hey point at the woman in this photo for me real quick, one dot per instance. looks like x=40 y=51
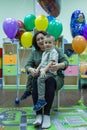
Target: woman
x=51 y=85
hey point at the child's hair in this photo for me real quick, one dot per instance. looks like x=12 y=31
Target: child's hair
x=50 y=36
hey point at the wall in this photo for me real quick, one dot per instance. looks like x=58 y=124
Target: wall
x=18 y=9
x=67 y=8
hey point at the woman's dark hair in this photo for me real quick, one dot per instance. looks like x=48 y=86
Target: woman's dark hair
x=34 y=42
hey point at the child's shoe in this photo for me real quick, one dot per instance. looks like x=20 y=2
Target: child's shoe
x=40 y=103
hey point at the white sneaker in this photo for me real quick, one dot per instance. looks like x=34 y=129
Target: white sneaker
x=46 y=122
x=38 y=120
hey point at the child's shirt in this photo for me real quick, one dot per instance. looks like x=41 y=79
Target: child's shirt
x=47 y=56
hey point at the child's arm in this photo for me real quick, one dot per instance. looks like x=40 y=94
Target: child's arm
x=48 y=66
x=43 y=72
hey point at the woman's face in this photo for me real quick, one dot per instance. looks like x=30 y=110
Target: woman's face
x=40 y=41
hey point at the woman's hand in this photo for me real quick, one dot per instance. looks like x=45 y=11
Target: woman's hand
x=56 y=66
x=33 y=71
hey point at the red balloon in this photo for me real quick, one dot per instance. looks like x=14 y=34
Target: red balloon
x=19 y=34
x=52 y=7
x=21 y=29
x=20 y=23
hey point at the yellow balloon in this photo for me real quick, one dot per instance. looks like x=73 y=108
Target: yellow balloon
x=26 y=39
x=41 y=22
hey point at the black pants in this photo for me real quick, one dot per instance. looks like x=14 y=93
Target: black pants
x=50 y=88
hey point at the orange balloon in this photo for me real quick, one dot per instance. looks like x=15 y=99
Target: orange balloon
x=79 y=44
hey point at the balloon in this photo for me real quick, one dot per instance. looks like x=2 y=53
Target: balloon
x=83 y=68
x=77 y=23
x=10 y=27
x=20 y=24
x=77 y=29
x=83 y=55
x=29 y=22
x=55 y=28
x=19 y=34
x=50 y=18
x=78 y=17
x=79 y=44
x=41 y=22
x=85 y=31
x=26 y=39
x=21 y=30
x=52 y=7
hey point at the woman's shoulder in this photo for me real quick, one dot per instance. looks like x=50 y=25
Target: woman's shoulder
x=58 y=49
x=37 y=52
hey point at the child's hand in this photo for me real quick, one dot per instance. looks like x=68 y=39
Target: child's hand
x=42 y=74
x=54 y=67
x=37 y=71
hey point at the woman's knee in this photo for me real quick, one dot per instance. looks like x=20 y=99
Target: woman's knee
x=51 y=82
x=50 y=86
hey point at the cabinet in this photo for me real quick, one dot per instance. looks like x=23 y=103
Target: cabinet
x=22 y=59
x=14 y=60
x=1 y=68
x=10 y=63
x=83 y=68
x=72 y=72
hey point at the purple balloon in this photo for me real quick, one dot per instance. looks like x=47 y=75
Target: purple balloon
x=10 y=27
x=85 y=31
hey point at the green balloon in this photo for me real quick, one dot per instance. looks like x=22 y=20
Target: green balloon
x=29 y=22
x=55 y=28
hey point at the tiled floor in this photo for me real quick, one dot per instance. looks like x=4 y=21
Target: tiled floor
x=66 y=98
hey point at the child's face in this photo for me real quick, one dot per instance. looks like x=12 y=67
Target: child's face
x=48 y=43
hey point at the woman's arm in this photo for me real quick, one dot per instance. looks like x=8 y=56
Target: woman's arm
x=30 y=63
x=62 y=61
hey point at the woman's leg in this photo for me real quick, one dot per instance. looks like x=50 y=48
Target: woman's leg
x=49 y=94
x=38 y=119
x=35 y=94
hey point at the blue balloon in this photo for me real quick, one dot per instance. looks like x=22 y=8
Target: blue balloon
x=50 y=18
x=77 y=23
x=78 y=17
x=77 y=29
